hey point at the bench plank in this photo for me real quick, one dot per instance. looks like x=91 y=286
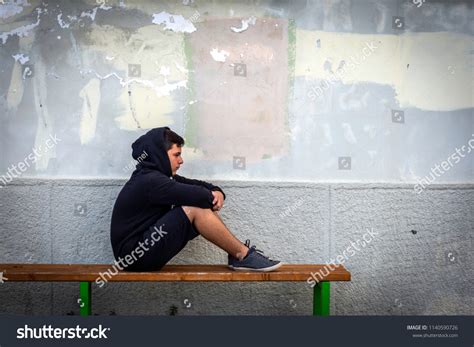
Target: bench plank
x=193 y=273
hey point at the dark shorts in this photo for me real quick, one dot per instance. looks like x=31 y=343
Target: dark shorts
x=160 y=243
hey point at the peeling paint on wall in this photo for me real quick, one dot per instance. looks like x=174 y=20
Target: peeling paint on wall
x=62 y=22
x=21 y=58
x=176 y=23
x=245 y=25
x=24 y=30
x=219 y=55
x=145 y=101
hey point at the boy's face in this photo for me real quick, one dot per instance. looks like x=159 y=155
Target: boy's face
x=174 y=154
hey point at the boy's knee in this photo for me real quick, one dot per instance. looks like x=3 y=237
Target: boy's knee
x=189 y=211
x=193 y=211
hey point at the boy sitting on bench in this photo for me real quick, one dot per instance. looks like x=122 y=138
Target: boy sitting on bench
x=157 y=202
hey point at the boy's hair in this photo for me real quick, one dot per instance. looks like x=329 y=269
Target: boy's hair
x=172 y=138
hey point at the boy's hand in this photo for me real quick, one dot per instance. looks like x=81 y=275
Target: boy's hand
x=218 y=201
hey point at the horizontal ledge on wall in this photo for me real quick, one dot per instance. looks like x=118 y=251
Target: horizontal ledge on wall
x=91 y=182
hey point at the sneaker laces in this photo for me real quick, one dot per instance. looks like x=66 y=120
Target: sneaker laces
x=258 y=251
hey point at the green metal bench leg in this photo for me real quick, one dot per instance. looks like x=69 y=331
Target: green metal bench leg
x=321 y=299
x=85 y=298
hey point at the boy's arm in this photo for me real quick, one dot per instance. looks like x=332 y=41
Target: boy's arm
x=194 y=182
x=170 y=192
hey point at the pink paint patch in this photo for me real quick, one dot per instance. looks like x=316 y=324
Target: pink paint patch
x=242 y=103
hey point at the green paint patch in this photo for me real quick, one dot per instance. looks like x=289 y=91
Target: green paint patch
x=266 y=156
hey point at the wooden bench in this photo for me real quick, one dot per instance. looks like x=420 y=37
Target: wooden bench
x=88 y=273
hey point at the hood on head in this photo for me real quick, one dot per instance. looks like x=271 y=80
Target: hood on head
x=150 y=152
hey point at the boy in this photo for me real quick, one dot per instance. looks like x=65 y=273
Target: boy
x=157 y=211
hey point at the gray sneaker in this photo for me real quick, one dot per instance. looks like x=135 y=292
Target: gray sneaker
x=253 y=261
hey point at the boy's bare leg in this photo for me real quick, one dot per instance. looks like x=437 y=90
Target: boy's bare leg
x=209 y=224
x=217 y=214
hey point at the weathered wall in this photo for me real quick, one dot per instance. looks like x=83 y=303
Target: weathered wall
x=273 y=90
x=358 y=101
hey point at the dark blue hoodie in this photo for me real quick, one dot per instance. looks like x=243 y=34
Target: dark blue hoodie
x=152 y=190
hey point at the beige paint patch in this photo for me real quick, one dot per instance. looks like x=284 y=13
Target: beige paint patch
x=429 y=71
x=145 y=101
x=90 y=95
x=15 y=91
x=144 y=109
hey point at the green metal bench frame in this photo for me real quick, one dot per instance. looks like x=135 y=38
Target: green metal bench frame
x=321 y=296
